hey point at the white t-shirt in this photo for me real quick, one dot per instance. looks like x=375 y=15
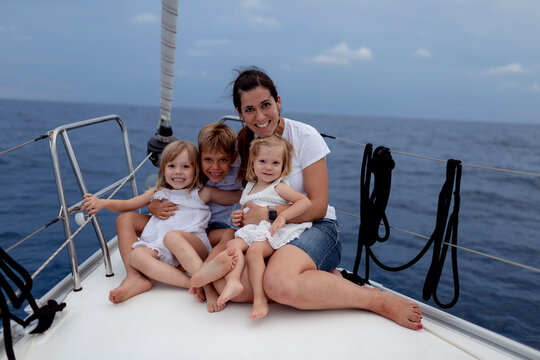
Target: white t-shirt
x=309 y=147
x=222 y=213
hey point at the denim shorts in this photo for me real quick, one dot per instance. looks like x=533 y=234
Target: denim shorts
x=217 y=225
x=321 y=243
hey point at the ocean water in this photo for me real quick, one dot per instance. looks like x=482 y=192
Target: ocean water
x=499 y=214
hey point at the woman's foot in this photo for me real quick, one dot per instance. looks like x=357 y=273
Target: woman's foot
x=133 y=284
x=259 y=309
x=403 y=311
x=231 y=290
x=215 y=269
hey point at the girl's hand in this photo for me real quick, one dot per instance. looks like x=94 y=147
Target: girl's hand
x=162 y=209
x=237 y=217
x=256 y=213
x=91 y=204
x=277 y=224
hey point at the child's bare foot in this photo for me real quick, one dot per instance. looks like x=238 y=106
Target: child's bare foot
x=231 y=290
x=211 y=299
x=133 y=284
x=403 y=311
x=215 y=269
x=259 y=309
x=198 y=293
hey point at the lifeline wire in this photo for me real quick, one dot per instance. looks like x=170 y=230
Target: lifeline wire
x=23 y=144
x=36 y=273
x=519 y=172
x=456 y=246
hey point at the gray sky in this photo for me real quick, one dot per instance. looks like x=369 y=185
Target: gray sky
x=442 y=59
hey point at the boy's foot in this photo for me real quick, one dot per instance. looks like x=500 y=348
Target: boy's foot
x=259 y=309
x=133 y=284
x=198 y=294
x=231 y=290
x=211 y=299
x=216 y=268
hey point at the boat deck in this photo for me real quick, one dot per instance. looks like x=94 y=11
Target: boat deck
x=168 y=323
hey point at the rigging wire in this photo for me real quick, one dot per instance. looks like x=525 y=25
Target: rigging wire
x=518 y=172
x=527 y=267
x=41 y=137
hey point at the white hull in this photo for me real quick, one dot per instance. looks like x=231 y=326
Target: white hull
x=168 y=323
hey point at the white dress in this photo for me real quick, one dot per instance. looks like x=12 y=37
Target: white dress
x=192 y=216
x=252 y=232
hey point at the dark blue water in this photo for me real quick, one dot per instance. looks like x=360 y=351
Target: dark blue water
x=500 y=212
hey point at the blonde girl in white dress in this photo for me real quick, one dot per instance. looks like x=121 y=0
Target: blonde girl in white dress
x=269 y=162
x=169 y=248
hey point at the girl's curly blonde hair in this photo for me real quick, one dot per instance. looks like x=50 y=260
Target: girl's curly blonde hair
x=271 y=141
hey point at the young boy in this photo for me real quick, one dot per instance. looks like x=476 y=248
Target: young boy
x=217 y=157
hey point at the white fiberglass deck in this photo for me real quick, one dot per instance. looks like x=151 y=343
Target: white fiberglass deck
x=168 y=323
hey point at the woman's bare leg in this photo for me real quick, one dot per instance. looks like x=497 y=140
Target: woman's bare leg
x=291 y=278
x=147 y=262
x=128 y=227
x=255 y=256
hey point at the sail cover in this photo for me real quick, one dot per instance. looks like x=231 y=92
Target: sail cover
x=169 y=14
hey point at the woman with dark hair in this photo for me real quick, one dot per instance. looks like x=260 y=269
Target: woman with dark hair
x=299 y=274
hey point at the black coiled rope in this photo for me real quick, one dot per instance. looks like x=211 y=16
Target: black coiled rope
x=10 y=269
x=372 y=207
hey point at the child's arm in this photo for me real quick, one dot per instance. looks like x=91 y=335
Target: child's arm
x=300 y=204
x=93 y=204
x=223 y=197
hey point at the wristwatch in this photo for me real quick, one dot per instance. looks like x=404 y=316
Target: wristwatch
x=272 y=213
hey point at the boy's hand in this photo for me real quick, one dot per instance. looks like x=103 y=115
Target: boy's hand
x=91 y=204
x=237 y=217
x=162 y=209
x=277 y=224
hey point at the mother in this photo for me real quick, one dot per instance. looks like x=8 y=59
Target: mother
x=298 y=274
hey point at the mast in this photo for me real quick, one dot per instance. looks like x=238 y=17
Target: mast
x=163 y=136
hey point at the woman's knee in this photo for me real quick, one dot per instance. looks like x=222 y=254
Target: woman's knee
x=280 y=285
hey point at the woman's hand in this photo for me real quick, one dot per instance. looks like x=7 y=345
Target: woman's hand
x=91 y=204
x=162 y=209
x=277 y=224
x=237 y=217
x=255 y=214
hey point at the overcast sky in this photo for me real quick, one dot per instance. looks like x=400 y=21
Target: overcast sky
x=442 y=59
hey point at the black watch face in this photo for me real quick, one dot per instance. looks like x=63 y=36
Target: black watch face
x=272 y=214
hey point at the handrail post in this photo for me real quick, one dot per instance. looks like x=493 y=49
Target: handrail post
x=84 y=190
x=65 y=214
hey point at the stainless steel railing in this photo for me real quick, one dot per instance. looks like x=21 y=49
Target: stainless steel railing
x=62 y=131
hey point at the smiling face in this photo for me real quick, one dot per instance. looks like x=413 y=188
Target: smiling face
x=215 y=165
x=268 y=164
x=180 y=171
x=260 y=111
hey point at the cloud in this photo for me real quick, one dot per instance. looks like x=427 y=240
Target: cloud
x=254 y=4
x=198 y=52
x=342 y=54
x=512 y=69
x=421 y=52
x=262 y=22
x=534 y=87
x=146 y=18
x=212 y=42
x=6 y=28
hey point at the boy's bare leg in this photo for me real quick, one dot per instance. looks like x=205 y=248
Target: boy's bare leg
x=147 y=262
x=128 y=227
x=216 y=268
x=255 y=258
x=234 y=286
